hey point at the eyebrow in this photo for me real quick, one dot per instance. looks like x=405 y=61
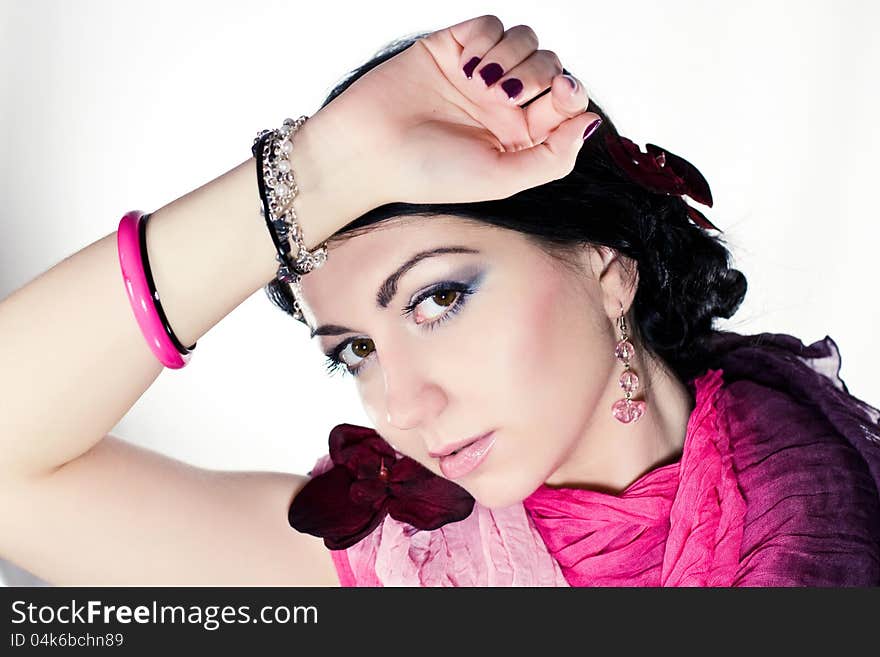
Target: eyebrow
x=388 y=289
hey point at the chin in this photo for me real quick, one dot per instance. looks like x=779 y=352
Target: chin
x=500 y=494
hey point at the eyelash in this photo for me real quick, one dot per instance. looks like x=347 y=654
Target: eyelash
x=334 y=363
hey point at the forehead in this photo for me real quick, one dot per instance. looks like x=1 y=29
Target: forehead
x=357 y=266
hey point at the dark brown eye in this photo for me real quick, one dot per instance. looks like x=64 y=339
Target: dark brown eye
x=361 y=347
x=444 y=297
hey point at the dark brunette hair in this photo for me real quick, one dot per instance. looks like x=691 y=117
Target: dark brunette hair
x=684 y=276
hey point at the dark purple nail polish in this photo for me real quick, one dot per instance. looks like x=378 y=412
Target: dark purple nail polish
x=470 y=66
x=592 y=128
x=491 y=73
x=572 y=82
x=512 y=87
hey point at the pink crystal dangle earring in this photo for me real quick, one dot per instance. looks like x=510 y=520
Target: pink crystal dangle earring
x=626 y=410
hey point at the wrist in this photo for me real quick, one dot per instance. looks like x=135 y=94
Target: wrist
x=332 y=174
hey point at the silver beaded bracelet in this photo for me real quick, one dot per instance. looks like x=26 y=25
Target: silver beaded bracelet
x=278 y=188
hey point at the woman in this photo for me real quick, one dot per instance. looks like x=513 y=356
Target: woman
x=619 y=439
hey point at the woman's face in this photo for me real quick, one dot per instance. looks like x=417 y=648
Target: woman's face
x=492 y=335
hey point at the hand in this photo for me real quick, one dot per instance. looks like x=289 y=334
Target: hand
x=431 y=135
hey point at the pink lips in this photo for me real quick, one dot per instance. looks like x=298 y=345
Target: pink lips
x=466 y=460
x=448 y=449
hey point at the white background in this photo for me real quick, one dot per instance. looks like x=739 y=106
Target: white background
x=109 y=106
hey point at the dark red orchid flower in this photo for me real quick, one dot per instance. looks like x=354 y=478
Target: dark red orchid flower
x=662 y=172
x=367 y=482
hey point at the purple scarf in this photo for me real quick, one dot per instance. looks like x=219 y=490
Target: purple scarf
x=810 y=374
x=826 y=448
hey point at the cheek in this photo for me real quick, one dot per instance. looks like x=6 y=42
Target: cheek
x=543 y=341
x=371 y=400
x=551 y=370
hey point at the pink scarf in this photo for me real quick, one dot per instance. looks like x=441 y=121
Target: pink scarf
x=678 y=525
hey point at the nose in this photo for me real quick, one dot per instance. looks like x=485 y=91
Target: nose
x=412 y=396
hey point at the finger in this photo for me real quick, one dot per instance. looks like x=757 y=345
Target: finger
x=516 y=45
x=456 y=43
x=562 y=103
x=551 y=160
x=476 y=37
x=528 y=78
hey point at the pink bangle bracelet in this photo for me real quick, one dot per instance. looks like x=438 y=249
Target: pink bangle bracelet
x=144 y=299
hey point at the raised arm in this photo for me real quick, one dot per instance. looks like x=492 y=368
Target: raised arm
x=74 y=359
x=79 y=506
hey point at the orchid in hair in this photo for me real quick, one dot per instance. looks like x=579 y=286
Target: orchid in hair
x=663 y=172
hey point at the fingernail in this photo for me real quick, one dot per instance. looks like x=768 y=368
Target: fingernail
x=470 y=66
x=512 y=87
x=592 y=128
x=491 y=73
x=571 y=81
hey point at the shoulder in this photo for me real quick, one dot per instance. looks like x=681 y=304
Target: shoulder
x=773 y=433
x=812 y=507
